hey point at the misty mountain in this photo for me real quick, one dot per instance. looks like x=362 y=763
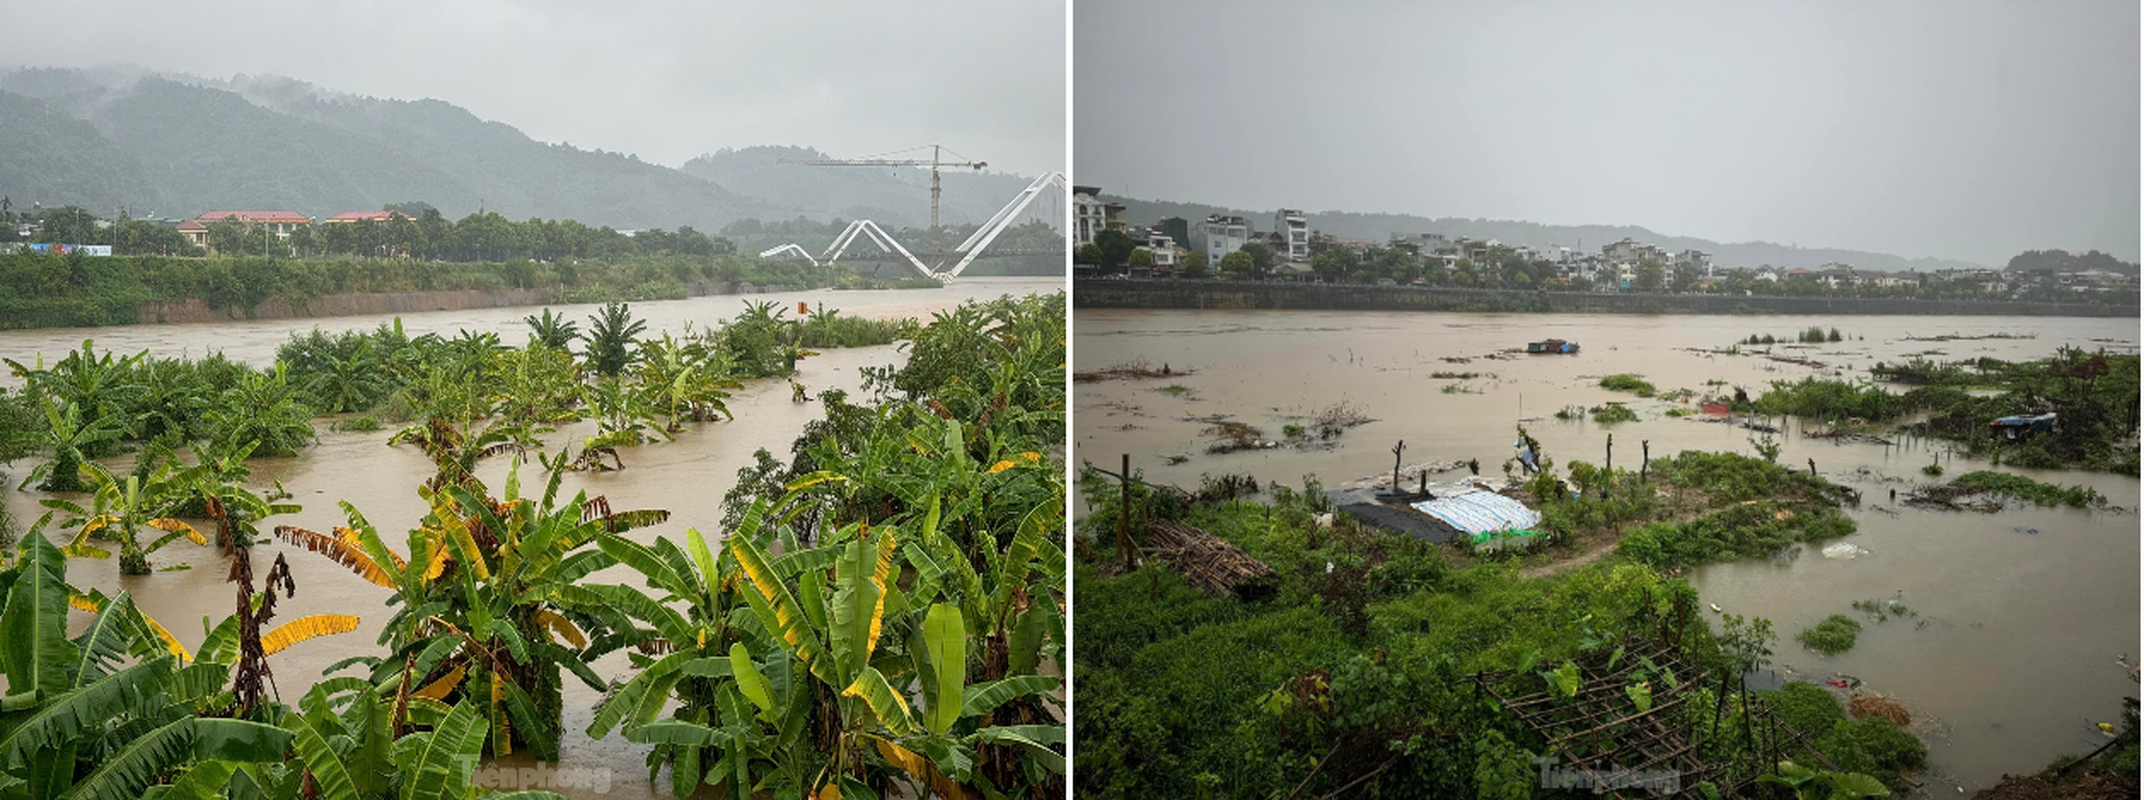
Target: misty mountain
x=177 y=145
x=49 y=156
x=1589 y=238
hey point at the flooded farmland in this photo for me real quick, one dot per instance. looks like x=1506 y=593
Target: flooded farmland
x=2026 y=619
x=688 y=477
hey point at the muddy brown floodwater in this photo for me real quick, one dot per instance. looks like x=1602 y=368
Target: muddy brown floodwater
x=2027 y=612
x=688 y=477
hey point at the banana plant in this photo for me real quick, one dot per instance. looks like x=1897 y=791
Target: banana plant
x=537 y=386
x=217 y=479
x=682 y=381
x=380 y=745
x=112 y=711
x=485 y=610
x=791 y=680
x=72 y=438
x=121 y=507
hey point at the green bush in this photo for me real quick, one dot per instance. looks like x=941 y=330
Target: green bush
x=2029 y=490
x=1626 y=382
x=1831 y=637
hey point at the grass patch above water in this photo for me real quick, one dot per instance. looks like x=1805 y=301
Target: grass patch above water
x=1626 y=382
x=2029 y=490
x=1882 y=610
x=1613 y=413
x=1831 y=637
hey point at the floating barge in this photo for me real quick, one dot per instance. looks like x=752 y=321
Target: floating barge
x=1552 y=347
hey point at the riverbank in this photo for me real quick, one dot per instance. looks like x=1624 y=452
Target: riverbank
x=48 y=291
x=1246 y=295
x=196 y=310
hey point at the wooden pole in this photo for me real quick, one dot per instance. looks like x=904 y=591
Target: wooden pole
x=1645 y=458
x=1396 y=465
x=1124 y=514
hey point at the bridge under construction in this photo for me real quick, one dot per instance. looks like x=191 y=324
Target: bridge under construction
x=1045 y=199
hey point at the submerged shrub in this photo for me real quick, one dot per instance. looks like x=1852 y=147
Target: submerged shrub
x=1831 y=637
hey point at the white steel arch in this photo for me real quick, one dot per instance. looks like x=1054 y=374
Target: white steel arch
x=973 y=246
x=982 y=237
x=790 y=249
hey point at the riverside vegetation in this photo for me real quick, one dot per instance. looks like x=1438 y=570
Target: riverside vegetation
x=2094 y=394
x=75 y=290
x=1354 y=670
x=876 y=619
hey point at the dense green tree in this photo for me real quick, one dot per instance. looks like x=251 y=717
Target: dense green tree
x=70 y=225
x=1261 y=258
x=1649 y=276
x=1116 y=247
x=1193 y=264
x=1328 y=266
x=1239 y=264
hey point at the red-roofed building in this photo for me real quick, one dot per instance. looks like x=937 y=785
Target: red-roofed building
x=375 y=216
x=281 y=222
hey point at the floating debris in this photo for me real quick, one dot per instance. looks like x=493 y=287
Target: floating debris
x=1844 y=550
x=1135 y=369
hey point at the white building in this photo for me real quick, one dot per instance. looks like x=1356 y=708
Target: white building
x=1294 y=229
x=1224 y=235
x=1163 y=248
x=1697 y=259
x=1089 y=216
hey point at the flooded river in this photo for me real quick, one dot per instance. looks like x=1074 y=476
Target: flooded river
x=2023 y=614
x=688 y=477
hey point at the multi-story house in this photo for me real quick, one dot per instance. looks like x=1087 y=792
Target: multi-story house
x=1294 y=230
x=1224 y=235
x=1089 y=215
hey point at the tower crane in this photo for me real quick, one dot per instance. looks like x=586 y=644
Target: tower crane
x=934 y=162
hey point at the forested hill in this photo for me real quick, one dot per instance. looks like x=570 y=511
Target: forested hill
x=2064 y=261
x=175 y=146
x=1378 y=227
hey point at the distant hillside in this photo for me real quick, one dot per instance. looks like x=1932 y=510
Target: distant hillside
x=176 y=145
x=1379 y=227
x=49 y=156
x=891 y=196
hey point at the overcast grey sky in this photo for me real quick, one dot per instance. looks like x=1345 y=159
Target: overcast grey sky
x=1969 y=130
x=665 y=80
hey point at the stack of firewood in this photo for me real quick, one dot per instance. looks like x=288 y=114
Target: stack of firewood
x=1208 y=561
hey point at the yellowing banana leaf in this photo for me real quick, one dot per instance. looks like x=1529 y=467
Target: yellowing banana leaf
x=306 y=627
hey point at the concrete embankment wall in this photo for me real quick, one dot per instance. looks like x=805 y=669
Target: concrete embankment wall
x=345 y=305
x=1250 y=295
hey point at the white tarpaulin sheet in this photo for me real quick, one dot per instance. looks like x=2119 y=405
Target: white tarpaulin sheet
x=1480 y=512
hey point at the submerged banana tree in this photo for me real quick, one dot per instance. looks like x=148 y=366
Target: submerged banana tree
x=485 y=607
x=792 y=680
x=624 y=418
x=72 y=437
x=121 y=507
x=683 y=381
